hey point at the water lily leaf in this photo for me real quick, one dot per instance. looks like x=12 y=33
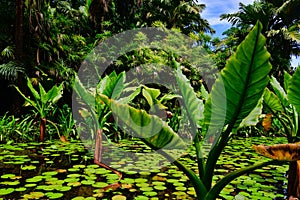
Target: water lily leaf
x=6 y=191
x=118 y=197
x=34 y=195
x=52 y=195
x=28 y=167
x=5 y=176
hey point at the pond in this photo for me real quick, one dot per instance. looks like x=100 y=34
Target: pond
x=55 y=170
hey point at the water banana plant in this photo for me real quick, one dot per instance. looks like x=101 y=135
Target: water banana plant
x=231 y=102
x=284 y=104
x=42 y=103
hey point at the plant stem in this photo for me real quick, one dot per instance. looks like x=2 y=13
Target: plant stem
x=42 y=129
x=215 y=191
x=213 y=157
x=197 y=183
x=55 y=127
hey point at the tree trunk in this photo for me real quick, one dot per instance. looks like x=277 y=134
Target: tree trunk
x=19 y=54
x=98 y=155
x=19 y=30
x=294 y=180
x=42 y=129
x=98 y=146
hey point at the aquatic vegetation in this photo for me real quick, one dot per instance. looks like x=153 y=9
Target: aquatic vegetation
x=56 y=180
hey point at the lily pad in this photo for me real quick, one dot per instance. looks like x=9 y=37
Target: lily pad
x=28 y=167
x=52 y=195
x=6 y=191
x=118 y=197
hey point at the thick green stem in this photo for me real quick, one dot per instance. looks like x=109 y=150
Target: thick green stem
x=213 y=157
x=196 y=182
x=200 y=159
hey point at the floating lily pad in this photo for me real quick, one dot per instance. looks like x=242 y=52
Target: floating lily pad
x=118 y=197
x=28 y=167
x=87 y=182
x=5 y=176
x=34 y=180
x=10 y=183
x=34 y=195
x=6 y=191
x=63 y=188
x=141 y=198
x=150 y=193
x=79 y=166
x=30 y=185
x=52 y=195
x=78 y=198
x=160 y=187
x=100 y=184
x=53 y=173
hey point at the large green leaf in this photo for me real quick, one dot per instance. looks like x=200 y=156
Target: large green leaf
x=235 y=94
x=287 y=78
x=112 y=85
x=55 y=93
x=35 y=93
x=31 y=102
x=150 y=128
x=135 y=91
x=85 y=95
x=272 y=101
x=192 y=103
x=241 y=83
x=43 y=94
x=293 y=93
x=253 y=118
x=279 y=91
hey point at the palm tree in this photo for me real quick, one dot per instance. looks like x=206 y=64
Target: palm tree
x=281 y=22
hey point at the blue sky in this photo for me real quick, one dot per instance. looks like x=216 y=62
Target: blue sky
x=213 y=10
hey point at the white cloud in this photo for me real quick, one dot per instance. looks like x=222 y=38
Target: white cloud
x=214 y=8
x=295 y=62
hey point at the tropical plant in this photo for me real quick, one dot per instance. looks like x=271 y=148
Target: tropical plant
x=14 y=129
x=66 y=122
x=43 y=103
x=232 y=103
x=283 y=104
x=280 y=20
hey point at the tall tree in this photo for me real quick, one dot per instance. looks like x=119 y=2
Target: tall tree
x=19 y=31
x=281 y=22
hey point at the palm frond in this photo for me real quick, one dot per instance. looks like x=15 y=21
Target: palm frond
x=10 y=71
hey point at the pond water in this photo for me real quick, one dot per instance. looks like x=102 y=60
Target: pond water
x=55 y=170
